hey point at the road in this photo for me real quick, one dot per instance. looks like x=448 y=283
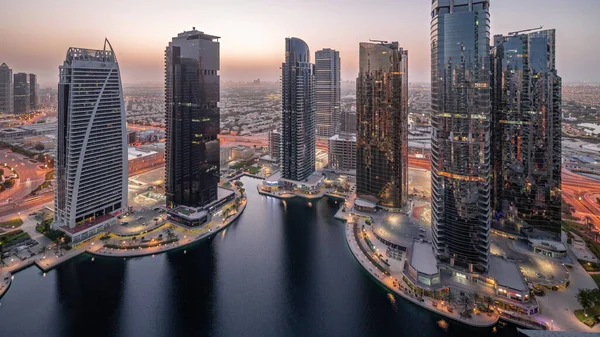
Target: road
x=580 y=191
x=27 y=169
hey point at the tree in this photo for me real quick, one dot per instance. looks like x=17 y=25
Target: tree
x=465 y=302
x=488 y=301
x=585 y=297
x=238 y=183
x=39 y=146
x=450 y=298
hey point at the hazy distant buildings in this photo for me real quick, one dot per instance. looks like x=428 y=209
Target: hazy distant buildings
x=298 y=112
x=526 y=108
x=327 y=92
x=382 y=118
x=21 y=93
x=460 y=140
x=274 y=144
x=192 y=119
x=6 y=89
x=33 y=100
x=91 y=158
x=342 y=152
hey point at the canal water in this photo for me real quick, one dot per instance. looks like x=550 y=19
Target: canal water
x=283 y=269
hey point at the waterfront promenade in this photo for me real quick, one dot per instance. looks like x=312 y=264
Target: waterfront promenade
x=49 y=259
x=388 y=282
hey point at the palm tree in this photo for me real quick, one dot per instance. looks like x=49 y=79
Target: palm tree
x=450 y=298
x=476 y=297
x=488 y=301
x=465 y=302
x=585 y=297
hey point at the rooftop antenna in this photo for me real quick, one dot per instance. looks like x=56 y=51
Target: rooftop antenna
x=378 y=41
x=525 y=30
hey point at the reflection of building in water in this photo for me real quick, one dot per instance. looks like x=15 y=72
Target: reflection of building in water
x=192 y=119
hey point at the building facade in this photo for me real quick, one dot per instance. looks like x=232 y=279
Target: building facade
x=274 y=144
x=348 y=121
x=6 y=89
x=382 y=122
x=298 y=112
x=21 y=93
x=341 y=151
x=327 y=92
x=460 y=139
x=526 y=109
x=33 y=99
x=91 y=158
x=192 y=95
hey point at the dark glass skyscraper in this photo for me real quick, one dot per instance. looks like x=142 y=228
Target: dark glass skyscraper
x=526 y=109
x=21 y=93
x=6 y=89
x=460 y=141
x=298 y=112
x=327 y=92
x=192 y=119
x=382 y=122
x=32 y=92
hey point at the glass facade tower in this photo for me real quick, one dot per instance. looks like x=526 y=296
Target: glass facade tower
x=460 y=141
x=526 y=109
x=298 y=112
x=192 y=151
x=21 y=93
x=6 y=89
x=382 y=123
x=327 y=92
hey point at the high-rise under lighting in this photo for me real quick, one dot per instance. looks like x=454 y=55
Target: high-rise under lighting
x=91 y=158
x=382 y=123
x=526 y=109
x=460 y=140
x=298 y=112
x=327 y=92
x=192 y=119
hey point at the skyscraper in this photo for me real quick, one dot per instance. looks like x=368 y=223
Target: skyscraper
x=274 y=138
x=91 y=157
x=21 y=93
x=298 y=112
x=327 y=92
x=192 y=119
x=382 y=122
x=460 y=141
x=526 y=142
x=32 y=92
x=6 y=89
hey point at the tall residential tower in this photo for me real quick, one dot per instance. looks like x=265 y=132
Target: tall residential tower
x=21 y=93
x=91 y=157
x=298 y=112
x=460 y=141
x=327 y=92
x=382 y=123
x=33 y=100
x=192 y=118
x=526 y=142
x=6 y=89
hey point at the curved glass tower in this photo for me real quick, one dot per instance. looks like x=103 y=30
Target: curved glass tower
x=382 y=123
x=91 y=156
x=298 y=112
x=526 y=101
x=460 y=141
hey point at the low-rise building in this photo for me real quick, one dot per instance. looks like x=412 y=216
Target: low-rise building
x=274 y=144
x=423 y=264
x=240 y=152
x=342 y=152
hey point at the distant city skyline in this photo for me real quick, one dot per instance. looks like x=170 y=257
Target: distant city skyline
x=252 y=33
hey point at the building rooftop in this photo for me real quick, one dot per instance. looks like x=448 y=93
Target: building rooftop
x=364 y=203
x=223 y=193
x=557 y=246
x=506 y=273
x=423 y=258
x=188 y=213
x=133 y=153
x=312 y=180
x=346 y=137
x=197 y=34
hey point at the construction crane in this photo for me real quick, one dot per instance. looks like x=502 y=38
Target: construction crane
x=525 y=30
x=379 y=41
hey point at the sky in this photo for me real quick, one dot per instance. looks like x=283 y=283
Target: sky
x=35 y=34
